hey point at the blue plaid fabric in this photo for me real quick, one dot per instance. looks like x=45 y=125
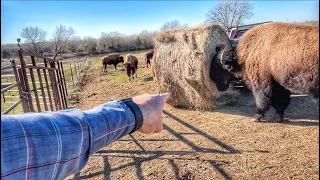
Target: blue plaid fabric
x=54 y=145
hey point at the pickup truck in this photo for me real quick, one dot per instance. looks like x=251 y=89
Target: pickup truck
x=235 y=34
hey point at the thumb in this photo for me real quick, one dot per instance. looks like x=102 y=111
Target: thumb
x=165 y=96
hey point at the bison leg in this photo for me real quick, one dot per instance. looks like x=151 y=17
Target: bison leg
x=148 y=62
x=115 y=67
x=280 y=101
x=262 y=97
x=105 y=68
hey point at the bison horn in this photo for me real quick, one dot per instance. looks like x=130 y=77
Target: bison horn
x=224 y=55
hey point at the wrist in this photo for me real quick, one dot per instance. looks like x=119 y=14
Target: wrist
x=136 y=112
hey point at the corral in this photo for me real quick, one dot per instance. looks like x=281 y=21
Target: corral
x=219 y=144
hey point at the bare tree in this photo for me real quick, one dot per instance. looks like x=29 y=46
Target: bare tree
x=34 y=35
x=174 y=24
x=74 y=44
x=5 y=53
x=147 y=39
x=90 y=44
x=185 y=25
x=110 y=41
x=61 y=37
x=230 y=13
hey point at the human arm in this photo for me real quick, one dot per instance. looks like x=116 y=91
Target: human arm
x=53 y=145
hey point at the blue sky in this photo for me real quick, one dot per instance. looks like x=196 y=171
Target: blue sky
x=90 y=18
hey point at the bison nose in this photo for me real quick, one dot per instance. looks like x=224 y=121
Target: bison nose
x=230 y=68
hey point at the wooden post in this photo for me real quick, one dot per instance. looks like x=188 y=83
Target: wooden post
x=55 y=76
x=41 y=85
x=75 y=69
x=52 y=83
x=48 y=89
x=62 y=88
x=25 y=81
x=64 y=78
x=35 y=90
x=24 y=101
x=71 y=75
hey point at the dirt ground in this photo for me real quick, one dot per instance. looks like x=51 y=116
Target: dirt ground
x=223 y=144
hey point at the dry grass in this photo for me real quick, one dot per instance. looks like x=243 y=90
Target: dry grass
x=220 y=144
x=182 y=66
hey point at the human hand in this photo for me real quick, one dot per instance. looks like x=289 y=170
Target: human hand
x=151 y=107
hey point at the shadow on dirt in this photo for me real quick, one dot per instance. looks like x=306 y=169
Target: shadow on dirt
x=302 y=111
x=157 y=154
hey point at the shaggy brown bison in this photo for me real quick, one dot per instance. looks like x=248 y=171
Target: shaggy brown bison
x=131 y=65
x=112 y=59
x=148 y=56
x=274 y=60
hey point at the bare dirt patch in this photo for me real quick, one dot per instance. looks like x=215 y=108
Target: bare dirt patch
x=220 y=144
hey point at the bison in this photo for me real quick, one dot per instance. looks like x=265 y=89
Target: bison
x=131 y=65
x=148 y=56
x=114 y=59
x=273 y=59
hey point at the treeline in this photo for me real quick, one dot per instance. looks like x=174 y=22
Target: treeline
x=65 y=41
x=107 y=42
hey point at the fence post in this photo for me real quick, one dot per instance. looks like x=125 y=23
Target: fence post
x=24 y=79
x=71 y=75
x=78 y=67
x=23 y=99
x=64 y=78
x=75 y=69
x=61 y=84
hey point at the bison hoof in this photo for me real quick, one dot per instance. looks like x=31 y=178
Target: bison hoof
x=256 y=118
x=278 y=118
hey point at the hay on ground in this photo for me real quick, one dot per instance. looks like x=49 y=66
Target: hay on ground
x=181 y=65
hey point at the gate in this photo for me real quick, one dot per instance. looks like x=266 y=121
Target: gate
x=41 y=84
x=49 y=81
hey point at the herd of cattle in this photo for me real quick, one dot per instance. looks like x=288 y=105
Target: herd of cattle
x=130 y=62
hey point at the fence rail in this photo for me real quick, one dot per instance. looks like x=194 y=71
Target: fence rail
x=10 y=86
x=12 y=107
x=6 y=67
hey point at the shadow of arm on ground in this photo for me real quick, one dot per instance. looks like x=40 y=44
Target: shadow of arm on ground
x=139 y=155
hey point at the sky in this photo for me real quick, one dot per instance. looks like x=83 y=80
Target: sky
x=91 y=18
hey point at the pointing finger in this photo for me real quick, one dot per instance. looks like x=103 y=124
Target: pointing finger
x=165 y=96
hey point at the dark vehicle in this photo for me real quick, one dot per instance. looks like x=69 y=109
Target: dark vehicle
x=235 y=33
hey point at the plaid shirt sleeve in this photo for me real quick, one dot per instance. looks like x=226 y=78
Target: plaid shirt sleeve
x=54 y=145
